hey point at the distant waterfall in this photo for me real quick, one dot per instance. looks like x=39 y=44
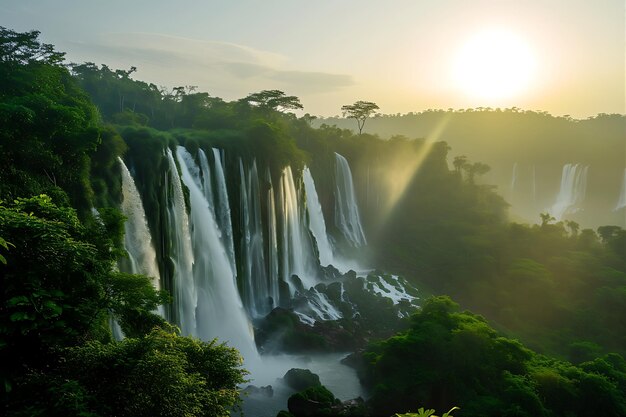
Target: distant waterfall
x=347 y=217
x=572 y=190
x=514 y=178
x=534 y=184
x=621 y=203
x=297 y=254
x=256 y=292
x=219 y=311
x=317 y=225
x=137 y=239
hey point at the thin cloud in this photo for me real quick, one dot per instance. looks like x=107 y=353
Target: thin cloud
x=217 y=67
x=308 y=81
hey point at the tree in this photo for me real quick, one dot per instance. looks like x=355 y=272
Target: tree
x=24 y=48
x=49 y=127
x=459 y=162
x=273 y=100
x=58 y=287
x=477 y=168
x=159 y=374
x=359 y=111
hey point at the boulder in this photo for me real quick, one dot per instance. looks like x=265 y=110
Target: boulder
x=266 y=391
x=301 y=379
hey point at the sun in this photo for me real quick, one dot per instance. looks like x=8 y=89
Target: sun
x=494 y=65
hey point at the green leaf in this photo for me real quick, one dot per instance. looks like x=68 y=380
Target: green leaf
x=52 y=309
x=451 y=410
x=18 y=301
x=21 y=316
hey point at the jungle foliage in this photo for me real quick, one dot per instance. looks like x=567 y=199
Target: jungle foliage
x=450 y=357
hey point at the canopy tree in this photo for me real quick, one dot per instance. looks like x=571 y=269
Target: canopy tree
x=24 y=48
x=359 y=111
x=273 y=99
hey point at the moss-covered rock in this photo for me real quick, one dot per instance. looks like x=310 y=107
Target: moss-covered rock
x=301 y=379
x=313 y=401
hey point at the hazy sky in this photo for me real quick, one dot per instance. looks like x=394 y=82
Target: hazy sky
x=402 y=54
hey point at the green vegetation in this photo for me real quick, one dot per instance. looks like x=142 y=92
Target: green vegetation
x=159 y=374
x=552 y=285
x=421 y=412
x=59 y=293
x=313 y=401
x=448 y=357
x=359 y=111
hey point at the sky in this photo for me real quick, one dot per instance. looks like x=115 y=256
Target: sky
x=564 y=56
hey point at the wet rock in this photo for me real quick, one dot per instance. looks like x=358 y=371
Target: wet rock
x=266 y=391
x=314 y=401
x=301 y=379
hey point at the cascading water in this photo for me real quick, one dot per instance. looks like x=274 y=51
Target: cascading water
x=514 y=178
x=572 y=190
x=222 y=206
x=534 y=184
x=621 y=203
x=322 y=307
x=219 y=311
x=347 y=217
x=317 y=225
x=181 y=254
x=256 y=292
x=206 y=183
x=297 y=254
x=137 y=239
x=272 y=243
x=217 y=204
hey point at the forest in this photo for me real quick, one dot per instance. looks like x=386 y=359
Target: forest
x=496 y=315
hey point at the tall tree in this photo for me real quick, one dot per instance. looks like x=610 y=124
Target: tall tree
x=274 y=100
x=359 y=111
x=24 y=48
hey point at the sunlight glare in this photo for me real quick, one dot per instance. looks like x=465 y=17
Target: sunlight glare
x=494 y=65
x=398 y=177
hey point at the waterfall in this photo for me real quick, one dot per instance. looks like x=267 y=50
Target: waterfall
x=297 y=255
x=181 y=254
x=205 y=183
x=219 y=311
x=256 y=292
x=217 y=204
x=514 y=178
x=222 y=206
x=621 y=203
x=322 y=307
x=137 y=239
x=316 y=219
x=534 y=184
x=572 y=190
x=347 y=217
x=272 y=243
